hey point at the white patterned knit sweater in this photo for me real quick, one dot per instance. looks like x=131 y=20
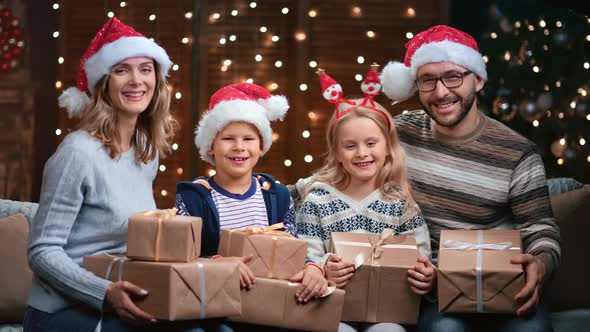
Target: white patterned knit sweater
x=326 y=209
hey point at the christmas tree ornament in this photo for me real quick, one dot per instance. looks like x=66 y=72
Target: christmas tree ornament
x=501 y=108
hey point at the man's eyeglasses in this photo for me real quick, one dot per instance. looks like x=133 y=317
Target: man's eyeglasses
x=451 y=80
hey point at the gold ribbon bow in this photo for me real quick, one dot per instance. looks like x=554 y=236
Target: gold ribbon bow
x=161 y=215
x=377 y=246
x=270 y=230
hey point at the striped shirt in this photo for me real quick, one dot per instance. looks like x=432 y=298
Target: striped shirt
x=238 y=211
x=492 y=178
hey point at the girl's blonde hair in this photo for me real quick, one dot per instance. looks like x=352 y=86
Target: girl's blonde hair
x=392 y=179
x=155 y=126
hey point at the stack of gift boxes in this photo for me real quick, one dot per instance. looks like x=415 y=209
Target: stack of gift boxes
x=163 y=258
x=475 y=274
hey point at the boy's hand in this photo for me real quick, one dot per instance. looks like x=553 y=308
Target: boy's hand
x=247 y=278
x=422 y=276
x=119 y=295
x=338 y=271
x=313 y=283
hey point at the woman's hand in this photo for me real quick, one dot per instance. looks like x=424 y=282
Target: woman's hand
x=119 y=295
x=422 y=276
x=338 y=271
x=313 y=283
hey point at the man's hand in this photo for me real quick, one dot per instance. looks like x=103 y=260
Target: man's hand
x=422 y=276
x=313 y=283
x=338 y=271
x=119 y=295
x=528 y=297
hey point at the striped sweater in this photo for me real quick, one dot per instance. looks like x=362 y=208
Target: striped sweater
x=492 y=178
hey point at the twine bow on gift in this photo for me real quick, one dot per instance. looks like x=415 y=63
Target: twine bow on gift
x=270 y=230
x=161 y=215
x=377 y=245
x=479 y=246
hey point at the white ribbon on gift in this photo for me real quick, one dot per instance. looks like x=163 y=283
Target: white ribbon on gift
x=480 y=247
x=107 y=275
x=203 y=289
x=360 y=258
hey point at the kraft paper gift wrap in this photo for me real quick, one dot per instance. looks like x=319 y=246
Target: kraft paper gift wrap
x=176 y=291
x=276 y=254
x=161 y=235
x=475 y=273
x=379 y=290
x=272 y=302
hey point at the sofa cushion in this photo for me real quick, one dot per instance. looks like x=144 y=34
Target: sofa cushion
x=15 y=275
x=569 y=287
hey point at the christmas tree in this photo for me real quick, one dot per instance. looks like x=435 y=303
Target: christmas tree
x=538 y=84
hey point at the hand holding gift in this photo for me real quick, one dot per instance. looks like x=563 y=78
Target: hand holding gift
x=119 y=295
x=422 y=276
x=247 y=278
x=338 y=270
x=313 y=283
x=528 y=297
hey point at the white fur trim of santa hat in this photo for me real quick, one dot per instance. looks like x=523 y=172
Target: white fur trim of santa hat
x=258 y=113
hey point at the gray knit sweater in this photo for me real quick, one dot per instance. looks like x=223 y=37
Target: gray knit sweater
x=86 y=199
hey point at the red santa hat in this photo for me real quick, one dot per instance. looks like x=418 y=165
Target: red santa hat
x=331 y=90
x=113 y=43
x=373 y=75
x=440 y=43
x=242 y=102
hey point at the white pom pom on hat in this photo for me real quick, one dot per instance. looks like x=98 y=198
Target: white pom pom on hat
x=240 y=102
x=440 y=43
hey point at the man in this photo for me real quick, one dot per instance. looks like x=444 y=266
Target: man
x=469 y=171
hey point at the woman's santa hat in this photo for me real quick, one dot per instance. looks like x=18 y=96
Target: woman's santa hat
x=240 y=102
x=440 y=43
x=113 y=43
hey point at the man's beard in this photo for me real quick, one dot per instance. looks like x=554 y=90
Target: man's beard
x=465 y=103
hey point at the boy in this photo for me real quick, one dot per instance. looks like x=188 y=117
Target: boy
x=232 y=135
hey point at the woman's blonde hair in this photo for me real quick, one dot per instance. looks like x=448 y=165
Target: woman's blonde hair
x=155 y=126
x=392 y=180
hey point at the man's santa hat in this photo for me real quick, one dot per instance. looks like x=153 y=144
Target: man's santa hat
x=113 y=43
x=240 y=102
x=437 y=44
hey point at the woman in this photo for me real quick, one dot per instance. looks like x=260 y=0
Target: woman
x=100 y=174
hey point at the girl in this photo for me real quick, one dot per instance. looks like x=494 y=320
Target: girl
x=363 y=187
x=100 y=175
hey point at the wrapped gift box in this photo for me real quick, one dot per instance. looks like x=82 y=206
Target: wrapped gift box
x=275 y=255
x=475 y=273
x=379 y=290
x=177 y=291
x=163 y=236
x=272 y=302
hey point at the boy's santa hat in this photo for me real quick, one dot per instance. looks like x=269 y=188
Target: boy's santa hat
x=240 y=102
x=113 y=43
x=440 y=43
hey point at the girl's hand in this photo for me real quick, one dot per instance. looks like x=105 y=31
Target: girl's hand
x=422 y=276
x=119 y=295
x=247 y=278
x=313 y=283
x=338 y=271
